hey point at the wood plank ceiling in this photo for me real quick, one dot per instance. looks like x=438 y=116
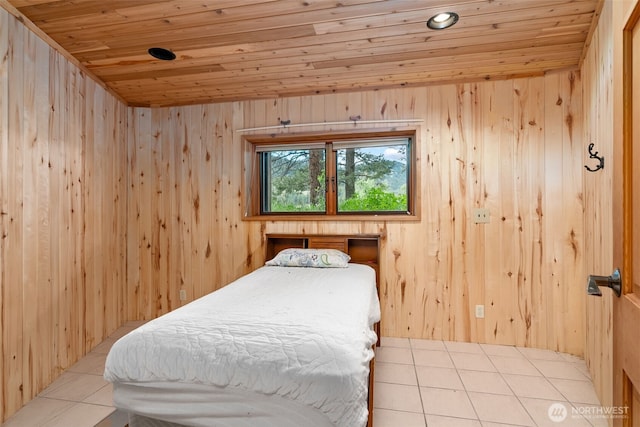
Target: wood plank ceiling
x=247 y=49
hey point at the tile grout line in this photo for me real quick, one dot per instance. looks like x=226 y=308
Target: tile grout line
x=528 y=359
x=415 y=372
x=501 y=374
x=466 y=392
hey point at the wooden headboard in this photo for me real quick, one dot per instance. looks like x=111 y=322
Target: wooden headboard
x=362 y=248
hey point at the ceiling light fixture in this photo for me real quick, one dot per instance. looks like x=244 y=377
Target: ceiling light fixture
x=442 y=20
x=161 y=53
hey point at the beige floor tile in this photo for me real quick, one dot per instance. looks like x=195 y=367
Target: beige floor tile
x=599 y=422
x=394 y=355
x=500 y=409
x=104 y=396
x=558 y=369
x=429 y=376
x=514 y=365
x=584 y=369
x=105 y=345
x=542 y=413
x=397 y=397
x=37 y=412
x=539 y=354
x=441 y=399
x=92 y=363
x=74 y=386
x=115 y=419
x=472 y=362
x=463 y=347
x=534 y=387
x=500 y=350
x=394 y=342
x=449 y=403
x=440 y=421
x=389 y=418
x=395 y=373
x=486 y=382
x=432 y=358
x=576 y=391
x=79 y=415
x=428 y=345
x=490 y=424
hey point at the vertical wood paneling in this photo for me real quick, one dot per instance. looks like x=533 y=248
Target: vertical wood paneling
x=30 y=225
x=553 y=259
x=62 y=195
x=598 y=93
x=507 y=146
x=138 y=125
x=573 y=232
x=529 y=113
x=108 y=212
x=12 y=332
x=75 y=94
x=4 y=189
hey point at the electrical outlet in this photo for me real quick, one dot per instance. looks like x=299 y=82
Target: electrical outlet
x=481 y=216
x=183 y=295
x=479 y=311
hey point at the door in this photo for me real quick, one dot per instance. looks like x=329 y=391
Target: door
x=626 y=309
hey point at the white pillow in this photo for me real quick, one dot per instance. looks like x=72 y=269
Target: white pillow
x=319 y=258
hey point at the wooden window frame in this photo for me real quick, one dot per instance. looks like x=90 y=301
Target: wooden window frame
x=252 y=187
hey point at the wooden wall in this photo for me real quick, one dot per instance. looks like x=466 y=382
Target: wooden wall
x=515 y=147
x=597 y=72
x=107 y=212
x=62 y=223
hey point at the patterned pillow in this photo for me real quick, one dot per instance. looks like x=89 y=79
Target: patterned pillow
x=320 y=258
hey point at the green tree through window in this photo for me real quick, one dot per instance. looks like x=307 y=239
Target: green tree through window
x=354 y=176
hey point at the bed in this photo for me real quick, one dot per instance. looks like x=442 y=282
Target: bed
x=290 y=344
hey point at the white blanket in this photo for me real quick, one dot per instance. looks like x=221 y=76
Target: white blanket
x=300 y=333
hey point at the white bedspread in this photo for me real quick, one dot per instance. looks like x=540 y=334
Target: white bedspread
x=299 y=333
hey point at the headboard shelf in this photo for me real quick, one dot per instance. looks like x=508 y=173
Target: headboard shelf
x=362 y=248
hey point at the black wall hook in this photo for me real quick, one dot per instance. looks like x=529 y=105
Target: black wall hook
x=593 y=155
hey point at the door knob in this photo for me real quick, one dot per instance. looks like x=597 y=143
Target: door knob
x=614 y=282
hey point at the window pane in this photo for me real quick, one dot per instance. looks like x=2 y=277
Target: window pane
x=293 y=181
x=373 y=179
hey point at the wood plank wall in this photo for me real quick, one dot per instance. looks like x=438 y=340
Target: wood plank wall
x=62 y=224
x=85 y=180
x=598 y=89
x=515 y=147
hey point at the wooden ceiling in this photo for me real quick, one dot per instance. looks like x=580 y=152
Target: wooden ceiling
x=247 y=49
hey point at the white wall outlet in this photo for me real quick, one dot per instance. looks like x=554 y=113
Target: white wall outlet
x=479 y=311
x=481 y=216
x=183 y=295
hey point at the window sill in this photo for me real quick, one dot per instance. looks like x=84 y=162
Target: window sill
x=295 y=217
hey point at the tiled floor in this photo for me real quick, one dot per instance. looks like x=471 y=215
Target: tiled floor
x=80 y=397
x=418 y=383
x=450 y=384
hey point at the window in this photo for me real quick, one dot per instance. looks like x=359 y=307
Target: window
x=372 y=176
x=292 y=180
x=343 y=175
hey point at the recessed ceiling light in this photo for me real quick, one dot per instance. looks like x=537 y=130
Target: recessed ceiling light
x=442 y=20
x=161 y=53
